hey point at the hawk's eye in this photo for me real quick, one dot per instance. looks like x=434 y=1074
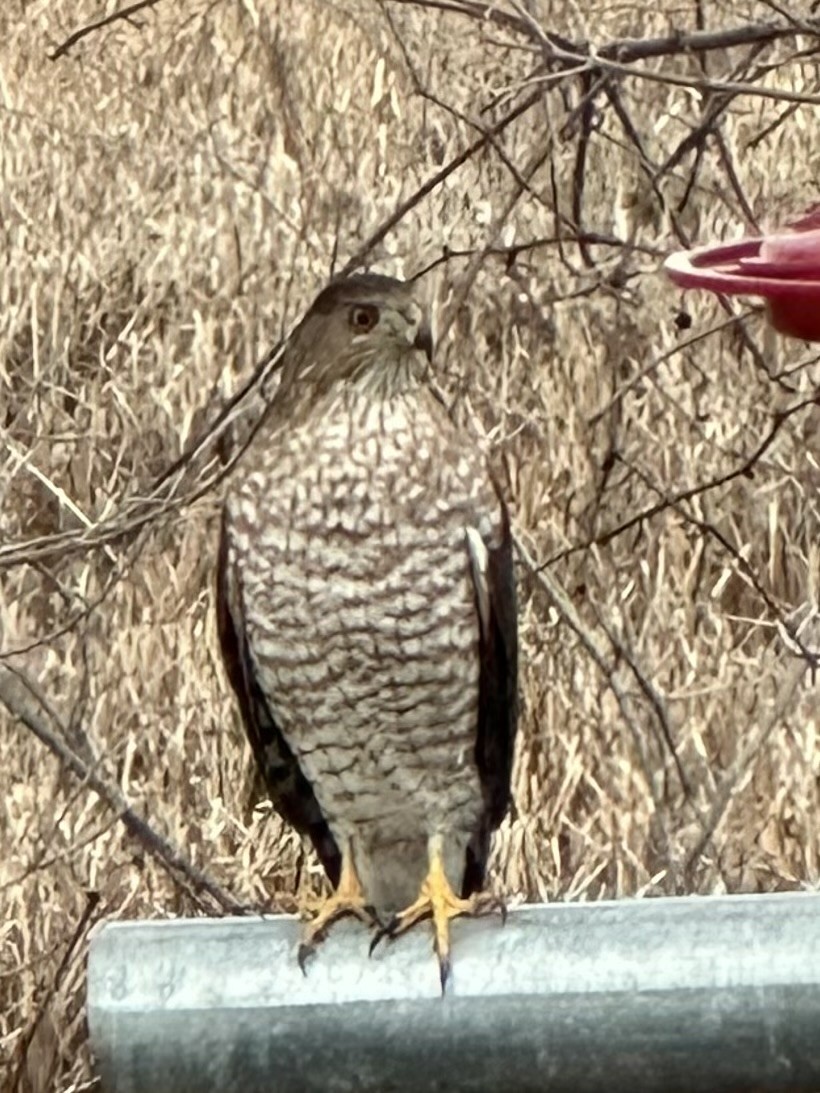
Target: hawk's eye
x=363 y=317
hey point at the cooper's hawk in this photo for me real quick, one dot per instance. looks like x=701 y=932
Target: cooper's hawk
x=367 y=617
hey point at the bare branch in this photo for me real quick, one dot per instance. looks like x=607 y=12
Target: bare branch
x=744 y=469
x=40 y=717
x=87 y=919
x=404 y=207
x=745 y=763
x=89 y=28
x=623 y=50
x=598 y=653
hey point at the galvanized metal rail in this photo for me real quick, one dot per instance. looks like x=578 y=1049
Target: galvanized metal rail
x=656 y=994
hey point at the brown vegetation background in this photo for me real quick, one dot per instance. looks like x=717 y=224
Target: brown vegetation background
x=174 y=188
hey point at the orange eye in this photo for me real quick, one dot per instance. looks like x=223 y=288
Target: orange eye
x=364 y=317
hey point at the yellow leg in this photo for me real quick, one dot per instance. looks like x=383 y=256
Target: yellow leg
x=348 y=899
x=438 y=901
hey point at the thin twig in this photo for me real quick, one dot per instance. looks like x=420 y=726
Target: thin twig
x=78 y=35
x=599 y=656
x=624 y=50
x=40 y=717
x=745 y=764
x=743 y=469
x=404 y=207
x=90 y=913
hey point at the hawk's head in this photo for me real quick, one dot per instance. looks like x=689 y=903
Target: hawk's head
x=367 y=330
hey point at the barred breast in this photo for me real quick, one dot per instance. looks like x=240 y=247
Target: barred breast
x=361 y=615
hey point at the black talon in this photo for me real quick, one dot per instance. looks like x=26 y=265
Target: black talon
x=306 y=952
x=388 y=931
x=445 y=968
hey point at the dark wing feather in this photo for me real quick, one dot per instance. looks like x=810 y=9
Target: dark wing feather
x=289 y=790
x=497 y=700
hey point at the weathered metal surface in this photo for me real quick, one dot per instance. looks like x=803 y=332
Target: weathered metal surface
x=663 y=994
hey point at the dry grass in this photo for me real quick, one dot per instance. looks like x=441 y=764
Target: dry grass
x=172 y=194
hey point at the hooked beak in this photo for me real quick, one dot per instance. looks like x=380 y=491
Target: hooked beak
x=424 y=341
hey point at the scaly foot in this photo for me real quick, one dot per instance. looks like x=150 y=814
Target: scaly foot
x=438 y=901
x=348 y=899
